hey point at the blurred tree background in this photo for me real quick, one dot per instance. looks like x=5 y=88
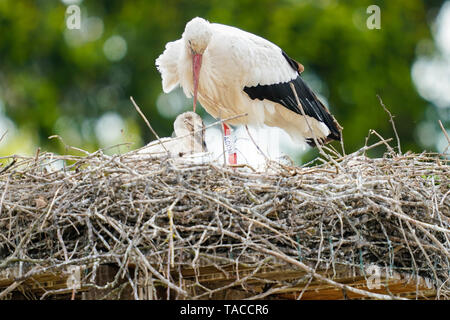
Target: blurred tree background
x=77 y=83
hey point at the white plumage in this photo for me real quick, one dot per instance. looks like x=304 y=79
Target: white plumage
x=189 y=138
x=234 y=72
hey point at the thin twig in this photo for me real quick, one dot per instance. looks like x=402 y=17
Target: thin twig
x=227 y=230
x=256 y=145
x=391 y=120
x=3 y=135
x=445 y=134
x=148 y=124
x=316 y=141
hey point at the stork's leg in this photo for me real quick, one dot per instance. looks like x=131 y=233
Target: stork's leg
x=230 y=147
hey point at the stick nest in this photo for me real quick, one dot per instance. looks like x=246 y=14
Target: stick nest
x=164 y=216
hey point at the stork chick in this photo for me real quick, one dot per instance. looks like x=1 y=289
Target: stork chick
x=189 y=137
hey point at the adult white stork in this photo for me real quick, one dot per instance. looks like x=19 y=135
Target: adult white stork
x=232 y=72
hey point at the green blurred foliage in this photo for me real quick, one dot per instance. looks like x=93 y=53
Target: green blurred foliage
x=46 y=77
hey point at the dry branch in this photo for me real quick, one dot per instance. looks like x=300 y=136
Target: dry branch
x=165 y=217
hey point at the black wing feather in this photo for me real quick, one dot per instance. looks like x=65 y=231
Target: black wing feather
x=282 y=93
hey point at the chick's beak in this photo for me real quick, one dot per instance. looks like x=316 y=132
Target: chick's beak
x=196 y=64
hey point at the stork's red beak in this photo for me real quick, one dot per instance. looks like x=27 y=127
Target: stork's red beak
x=196 y=65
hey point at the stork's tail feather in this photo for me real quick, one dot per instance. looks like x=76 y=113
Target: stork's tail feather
x=284 y=94
x=322 y=141
x=333 y=125
x=315 y=108
x=334 y=135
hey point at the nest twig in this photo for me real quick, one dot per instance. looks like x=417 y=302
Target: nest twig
x=164 y=216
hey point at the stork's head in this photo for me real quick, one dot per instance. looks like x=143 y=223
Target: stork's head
x=197 y=35
x=191 y=125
